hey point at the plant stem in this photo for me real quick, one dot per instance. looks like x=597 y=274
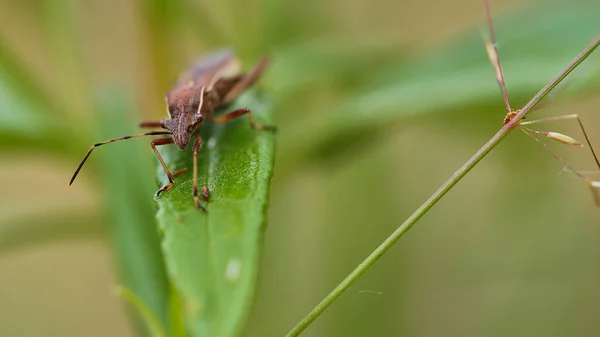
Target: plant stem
x=437 y=195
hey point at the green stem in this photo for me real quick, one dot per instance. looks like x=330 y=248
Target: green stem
x=435 y=197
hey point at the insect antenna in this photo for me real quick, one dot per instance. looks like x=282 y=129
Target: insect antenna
x=153 y=133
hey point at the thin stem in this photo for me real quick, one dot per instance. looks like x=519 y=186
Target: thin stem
x=437 y=195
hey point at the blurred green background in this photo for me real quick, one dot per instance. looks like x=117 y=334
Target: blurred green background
x=378 y=102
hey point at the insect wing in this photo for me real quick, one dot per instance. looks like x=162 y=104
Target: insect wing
x=204 y=70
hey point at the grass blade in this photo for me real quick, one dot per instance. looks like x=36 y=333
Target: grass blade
x=126 y=179
x=25 y=111
x=154 y=325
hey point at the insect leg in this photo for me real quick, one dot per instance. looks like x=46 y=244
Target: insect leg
x=205 y=193
x=151 y=124
x=196 y=148
x=154 y=144
x=182 y=171
x=153 y=133
x=246 y=81
x=240 y=112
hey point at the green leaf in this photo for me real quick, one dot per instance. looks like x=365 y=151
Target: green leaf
x=213 y=258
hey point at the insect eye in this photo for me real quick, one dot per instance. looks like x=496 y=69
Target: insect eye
x=198 y=118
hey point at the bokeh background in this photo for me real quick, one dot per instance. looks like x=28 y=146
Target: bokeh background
x=378 y=102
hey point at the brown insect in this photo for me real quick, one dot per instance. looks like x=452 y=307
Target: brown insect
x=492 y=52
x=212 y=82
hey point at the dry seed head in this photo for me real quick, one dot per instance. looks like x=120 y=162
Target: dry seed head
x=559 y=137
x=491 y=51
x=595 y=186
